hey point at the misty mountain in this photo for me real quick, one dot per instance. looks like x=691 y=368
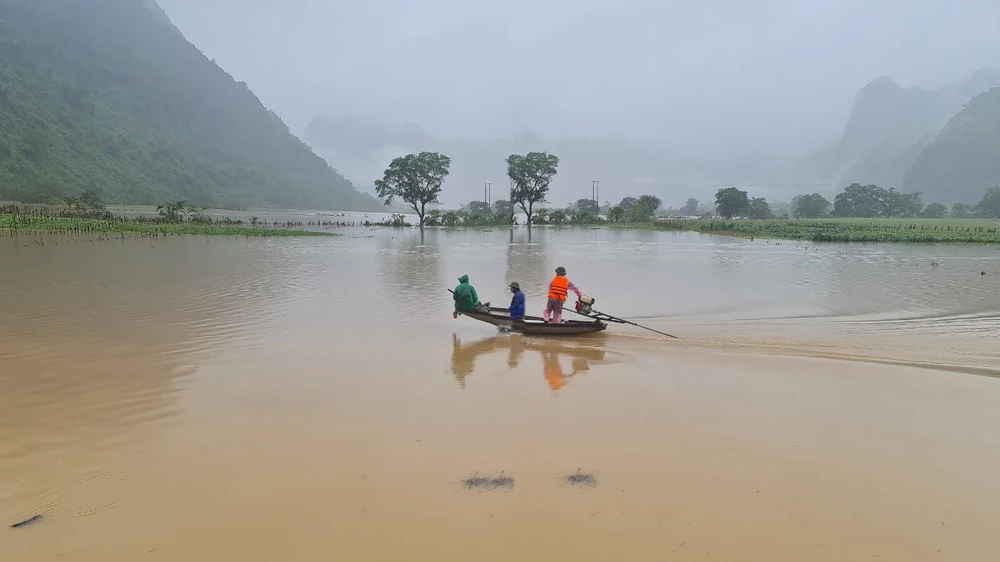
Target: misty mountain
x=109 y=95
x=362 y=147
x=963 y=160
x=885 y=132
x=887 y=128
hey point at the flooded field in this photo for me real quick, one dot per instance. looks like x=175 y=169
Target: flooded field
x=196 y=398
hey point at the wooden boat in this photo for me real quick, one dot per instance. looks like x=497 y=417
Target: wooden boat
x=535 y=326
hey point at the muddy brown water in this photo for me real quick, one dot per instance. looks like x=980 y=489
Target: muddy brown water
x=197 y=398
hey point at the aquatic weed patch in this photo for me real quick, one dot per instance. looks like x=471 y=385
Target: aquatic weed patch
x=488 y=483
x=501 y=481
x=580 y=478
x=475 y=481
x=16 y=220
x=947 y=231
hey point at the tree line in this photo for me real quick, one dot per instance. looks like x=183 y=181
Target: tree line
x=855 y=201
x=416 y=179
x=583 y=211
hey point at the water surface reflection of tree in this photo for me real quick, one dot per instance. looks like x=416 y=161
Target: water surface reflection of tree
x=526 y=264
x=410 y=263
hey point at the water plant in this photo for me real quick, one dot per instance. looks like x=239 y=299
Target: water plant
x=499 y=481
x=967 y=231
x=16 y=220
x=580 y=478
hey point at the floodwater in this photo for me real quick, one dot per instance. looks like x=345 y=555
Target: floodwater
x=196 y=398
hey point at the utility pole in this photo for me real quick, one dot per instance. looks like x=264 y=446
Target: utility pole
x=512 y=205
x=489 y=193
x=595 y=192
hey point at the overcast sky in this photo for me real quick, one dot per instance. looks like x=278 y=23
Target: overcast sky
x=723 y=73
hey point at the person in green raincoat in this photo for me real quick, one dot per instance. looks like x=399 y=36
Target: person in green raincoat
x=466 y=299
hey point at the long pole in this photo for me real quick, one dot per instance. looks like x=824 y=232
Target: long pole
x=604 y=316
x=489 y=193
x=643 y=327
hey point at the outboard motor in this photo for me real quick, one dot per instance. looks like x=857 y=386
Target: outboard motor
x=585 y=304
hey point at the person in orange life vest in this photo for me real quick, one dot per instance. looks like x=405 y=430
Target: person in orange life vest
x=553 y=370
x=558 y=289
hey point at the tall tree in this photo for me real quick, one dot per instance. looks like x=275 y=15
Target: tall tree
x=628 y=203
x=588 y=206
x=690 y=207
x=531 y=175
x=479 y=208
x=989 y=206
x=905 y=205
x=731 y=202
x=810 y=206
x=934 y=211
x=961 y=211
x=503 y=207
x=866 y=201
x=759 y=209
x=414 y=178
x=650 y=203
x=645 y=207
x=870 y=201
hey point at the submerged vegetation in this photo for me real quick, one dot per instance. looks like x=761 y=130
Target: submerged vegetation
x=580 y=478
x=16 y=220
x=489 y=483
x=970 y=231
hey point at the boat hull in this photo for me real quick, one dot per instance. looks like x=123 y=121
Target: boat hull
x=534 y=326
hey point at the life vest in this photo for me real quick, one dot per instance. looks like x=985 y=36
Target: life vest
x=559 y=288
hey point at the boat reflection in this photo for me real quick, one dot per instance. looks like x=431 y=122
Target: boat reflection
x=463 y=357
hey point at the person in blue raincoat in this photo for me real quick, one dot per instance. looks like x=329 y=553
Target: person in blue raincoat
x=517 y=302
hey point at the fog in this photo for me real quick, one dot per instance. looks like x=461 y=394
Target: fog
x=695 y=79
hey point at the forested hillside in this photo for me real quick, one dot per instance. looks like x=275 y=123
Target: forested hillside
x=963 y=160
x=108 y=95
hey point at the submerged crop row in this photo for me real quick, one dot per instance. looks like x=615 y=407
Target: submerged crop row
x=970 y=231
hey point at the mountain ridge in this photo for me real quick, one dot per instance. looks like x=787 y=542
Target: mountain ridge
x=961 y=161
x=888 y=126
x=109 y=95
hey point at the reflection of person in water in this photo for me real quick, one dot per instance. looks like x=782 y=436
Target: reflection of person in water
x=554 y=371
x=463 y=357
